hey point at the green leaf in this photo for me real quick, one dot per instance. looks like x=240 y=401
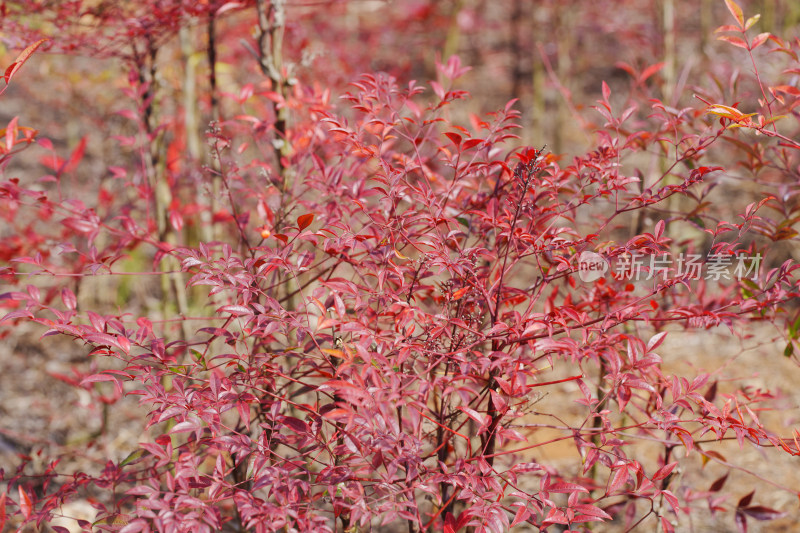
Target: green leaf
x=752 y=20
x=133 y=456
x=699 y=221
x=794 y=327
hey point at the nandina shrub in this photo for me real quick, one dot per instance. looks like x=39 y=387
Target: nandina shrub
x=364 y=315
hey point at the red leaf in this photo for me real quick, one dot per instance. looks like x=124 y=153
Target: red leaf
x=24 y=503
x=21 y=59
x=11 y=134
x=244 y=413
x=788 y=89
x=471 y=143
x=718 y=484
x=593 y=511
x=498 y=401
x=664 y=471
x=672 y=500
x=304 y=221
x=556 y=516
x=454 y=137
x=123 y=343
x=2 y=510
x=745 y=501
x=659 y=229
x=53 y=162
x=619 y=480
x=76 y=156
x=522 y=514
x=649 y=71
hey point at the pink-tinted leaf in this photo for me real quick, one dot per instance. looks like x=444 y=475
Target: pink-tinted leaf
x=227 y=6
x=123 y=343
x=76 y=156
x=563 y=487
x=759 y=512
x=11 y=134
x=593 y=511
x=498 y=401
x=437 y=89
x=176 y=219
x=656 y=340
x=736 y=11
x=760 y=39
x=606 y=91
x=664 y=471
x=649 y=71
x=482 y=420
x=740 y=520
x=185 y=426
x=95 y=378
x=671 y=500
x=80 y=225
x=68 y=297
x=556 y=516
x=659 y=231
x=235 y=310
x=23 y=313
x=735 y=41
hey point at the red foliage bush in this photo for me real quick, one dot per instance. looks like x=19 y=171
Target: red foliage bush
x=364 y=302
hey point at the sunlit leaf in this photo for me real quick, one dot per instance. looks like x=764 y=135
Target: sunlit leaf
x=736 y=11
